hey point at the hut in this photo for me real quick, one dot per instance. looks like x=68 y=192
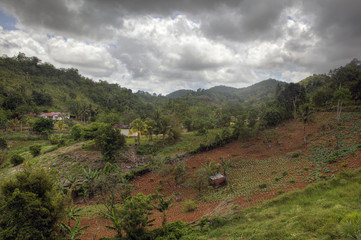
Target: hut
x=218 y=180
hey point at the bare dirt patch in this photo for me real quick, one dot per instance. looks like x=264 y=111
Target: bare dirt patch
x=281 y=165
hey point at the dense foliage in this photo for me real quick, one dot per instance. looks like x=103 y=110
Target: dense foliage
x=29 y=205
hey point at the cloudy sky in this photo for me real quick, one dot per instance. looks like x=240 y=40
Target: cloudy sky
x=163 y=45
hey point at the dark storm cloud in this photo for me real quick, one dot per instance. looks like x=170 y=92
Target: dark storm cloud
x=193 y=42
x=337 y=23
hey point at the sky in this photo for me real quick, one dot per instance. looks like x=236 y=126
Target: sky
x=160 y=46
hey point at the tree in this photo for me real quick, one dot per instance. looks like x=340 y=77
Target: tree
x=201 y=179
x=163 y=204
x=292 y=96
x=110 y=140
x=150 y=126
x=138 y=126
x=43 y=125
x=131 y=217
x=271 y=117
x=30 y=205
x=341 y=96
x=322 y=96
x=305 y=115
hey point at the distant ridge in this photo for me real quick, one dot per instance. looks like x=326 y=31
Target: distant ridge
x=256 y=93
x=179 y=93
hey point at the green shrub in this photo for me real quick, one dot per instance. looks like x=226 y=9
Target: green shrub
x=147 y=149
x=332 y=159
x=30 y=205
x=43 y=125
x=55 y=139
x=189 y=205
x=76 y=131
x=262 y=186
x=285 y=173
x=169 y=231
x=35 y=150
x=17 y=159
x=350 y=226
x=292 y=181
x=3 y=143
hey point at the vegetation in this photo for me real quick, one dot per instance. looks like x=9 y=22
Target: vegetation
x=327 y=210
x=32 y=193
x=93 y=159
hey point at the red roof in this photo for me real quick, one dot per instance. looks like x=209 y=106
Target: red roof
x=51 y=114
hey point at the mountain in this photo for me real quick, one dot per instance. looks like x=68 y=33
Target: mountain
x=259 y=92
x=179 y=93
x=223 y=89
x=255 y=94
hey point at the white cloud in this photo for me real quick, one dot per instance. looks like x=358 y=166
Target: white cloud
x=290 y=76
x=92 y=59
x=164 y=45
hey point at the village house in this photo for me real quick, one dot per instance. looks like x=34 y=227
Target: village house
x=125 y=130
x=55 y=116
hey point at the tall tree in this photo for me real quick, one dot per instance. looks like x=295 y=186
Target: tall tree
x=292 y=96
x=341 y=96
x=305 y=115
x=110 y=140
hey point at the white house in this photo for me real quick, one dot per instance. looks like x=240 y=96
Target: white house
x=55 y=116
x=125 y=130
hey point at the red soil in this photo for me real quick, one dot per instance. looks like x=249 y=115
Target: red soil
x=290 y=140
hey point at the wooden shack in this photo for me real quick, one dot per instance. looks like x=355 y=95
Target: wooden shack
x=218 y=180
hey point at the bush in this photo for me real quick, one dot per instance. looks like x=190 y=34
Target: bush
x=147 y=149
x=169 y=231
x=30 y=205
x=350 y=226
x=76 y=131
x=35 y=150
x=43 y=125
x=3 y=143
x=189 y=205
x=54 y=139
x=17 y=159
x=262 y=186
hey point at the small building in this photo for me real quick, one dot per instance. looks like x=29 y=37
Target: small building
x=218 y=180
x=125 y=130
x=55 y=116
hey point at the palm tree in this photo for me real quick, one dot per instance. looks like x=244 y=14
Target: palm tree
x=306 y=116
x=138 y=126
x=150 y=125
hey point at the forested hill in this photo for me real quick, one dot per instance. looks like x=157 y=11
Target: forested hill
x=255 y=94
x=26 y=85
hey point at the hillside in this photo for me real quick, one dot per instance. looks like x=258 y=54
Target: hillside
x=26 y=85
x=179 y=93
x=261 y=170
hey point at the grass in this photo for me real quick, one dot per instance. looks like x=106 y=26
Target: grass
x=312 y=213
